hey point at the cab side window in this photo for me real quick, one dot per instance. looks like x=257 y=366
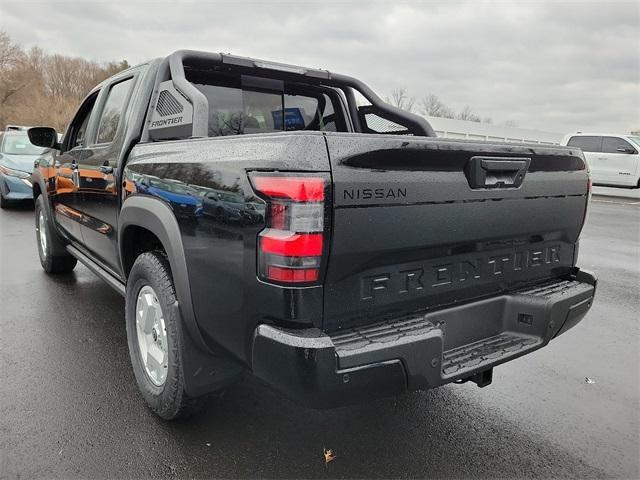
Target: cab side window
x=586 y=143
x=616 y=145
x=113 y=110
x=78 y=128
x=82 y=131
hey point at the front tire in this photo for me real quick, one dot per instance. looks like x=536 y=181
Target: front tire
x=4 y=203
x=48 y=242
x=154 y=338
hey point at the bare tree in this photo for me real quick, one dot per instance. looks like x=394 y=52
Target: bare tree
x=432 y=106
x=12 y=80
x=112 y=68
x=467 y=114
x=67 y=77
x=10 y=53
x=401 y=99
x=41 y=89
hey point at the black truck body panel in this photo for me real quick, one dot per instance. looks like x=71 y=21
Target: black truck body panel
x=228 y=301
x=441 y=258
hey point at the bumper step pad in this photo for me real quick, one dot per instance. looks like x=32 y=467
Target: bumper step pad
x=488 y=350
x=383 y=340
x=360 y=338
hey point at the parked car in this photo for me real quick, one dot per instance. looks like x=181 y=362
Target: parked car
x=184 y=200
x=17 y=155
x=379 y=258
x=229 y=207
x=612 y=158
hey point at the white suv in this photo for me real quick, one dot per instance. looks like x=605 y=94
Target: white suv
x=613 y=159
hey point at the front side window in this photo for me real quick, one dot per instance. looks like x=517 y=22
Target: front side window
x=78 y=128
x=586 y=143
x=616 y=145
x=113 y=110
x=237 y=107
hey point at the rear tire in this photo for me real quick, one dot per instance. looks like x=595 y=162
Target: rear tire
x=153 y=327
x=48 y=242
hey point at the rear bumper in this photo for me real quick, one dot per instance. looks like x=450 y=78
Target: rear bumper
x=418 y=352
x=14 y=188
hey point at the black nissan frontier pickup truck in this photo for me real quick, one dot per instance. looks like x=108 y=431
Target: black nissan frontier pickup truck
x=286 y=221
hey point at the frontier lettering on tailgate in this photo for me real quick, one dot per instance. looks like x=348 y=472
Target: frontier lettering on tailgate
x=467 y=270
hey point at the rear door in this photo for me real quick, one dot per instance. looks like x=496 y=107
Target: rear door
x=415 y=226
x=591 y=146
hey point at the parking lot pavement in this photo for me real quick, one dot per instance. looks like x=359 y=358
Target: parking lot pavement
x=69 y=406
x=630 y=195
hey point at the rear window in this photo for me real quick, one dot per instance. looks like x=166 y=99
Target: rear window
x=586 y=143
x=241 y=105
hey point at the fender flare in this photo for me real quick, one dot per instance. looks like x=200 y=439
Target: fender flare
x=156 y=216
x=39 y=180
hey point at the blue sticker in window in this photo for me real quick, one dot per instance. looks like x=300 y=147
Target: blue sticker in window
x=293 y=119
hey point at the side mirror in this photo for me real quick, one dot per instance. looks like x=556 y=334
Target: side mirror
x=45 y=137
x=626 y=150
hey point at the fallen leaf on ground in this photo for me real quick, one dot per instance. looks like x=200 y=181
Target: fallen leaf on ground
x=328 y=456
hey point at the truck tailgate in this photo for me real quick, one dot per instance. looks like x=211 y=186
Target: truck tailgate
x=424 y=222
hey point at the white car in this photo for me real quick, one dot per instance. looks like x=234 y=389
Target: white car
x=613 y=159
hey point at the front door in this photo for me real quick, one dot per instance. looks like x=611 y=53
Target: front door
x=66 y=175
x=98 y=175
x=621 y=160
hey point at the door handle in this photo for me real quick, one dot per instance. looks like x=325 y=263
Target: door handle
x=496 y=172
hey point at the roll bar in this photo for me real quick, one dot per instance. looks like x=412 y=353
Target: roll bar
x=172 y=68
x=416 y=123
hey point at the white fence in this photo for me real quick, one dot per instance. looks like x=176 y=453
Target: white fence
x=451 y=128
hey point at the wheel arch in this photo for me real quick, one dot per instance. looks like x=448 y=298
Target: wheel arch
x=153 y=219
x=37 y=191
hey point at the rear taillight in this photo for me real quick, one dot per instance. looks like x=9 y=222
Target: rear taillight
x=291 y=247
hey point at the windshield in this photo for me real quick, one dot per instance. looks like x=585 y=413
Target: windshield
x=635 y=140
x=19 y=145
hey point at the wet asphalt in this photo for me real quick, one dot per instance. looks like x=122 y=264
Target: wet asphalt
x=69 y=407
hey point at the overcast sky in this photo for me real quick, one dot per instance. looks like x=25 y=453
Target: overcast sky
x=554 y=66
